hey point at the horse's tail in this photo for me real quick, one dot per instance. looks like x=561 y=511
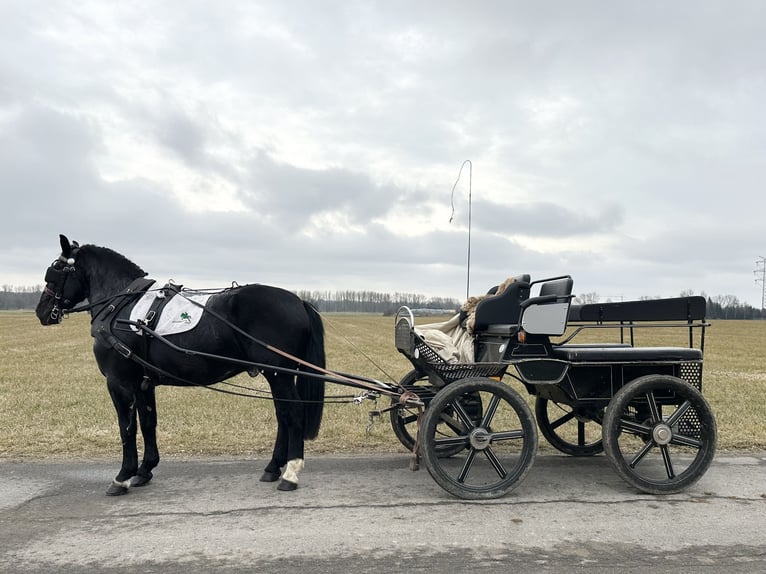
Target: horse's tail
x=311 y=389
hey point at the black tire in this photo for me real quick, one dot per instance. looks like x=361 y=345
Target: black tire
x=496 y=452
x=572 y=430
x=404 y=420
x=659 y=434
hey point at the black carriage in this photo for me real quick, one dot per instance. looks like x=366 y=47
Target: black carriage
x=642 y=406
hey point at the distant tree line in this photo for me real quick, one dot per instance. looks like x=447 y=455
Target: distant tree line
x=375 y=302
x=349 y=301
x=17 y=298
x=14 y=298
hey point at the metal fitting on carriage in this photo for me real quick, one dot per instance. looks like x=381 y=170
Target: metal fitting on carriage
x=359 y=399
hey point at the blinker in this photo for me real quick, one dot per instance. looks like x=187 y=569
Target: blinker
x=53 y=275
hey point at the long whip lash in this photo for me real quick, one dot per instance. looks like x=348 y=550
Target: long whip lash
x=452 y=215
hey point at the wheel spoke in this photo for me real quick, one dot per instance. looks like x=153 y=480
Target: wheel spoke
x=491 y=410
x=564 y=419
x=463 y=415
x=580 y=433
x=467 y=465
x=641 y=453
x=507 y=435
x=634 y=427
x=653 y=408
x=451 y=441
x=495 y=462
x=410 y=419
x=453 y=423
x=682 y=440
x=678 y=413
x=666 y=459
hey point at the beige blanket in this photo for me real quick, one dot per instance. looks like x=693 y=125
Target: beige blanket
x=453 y=343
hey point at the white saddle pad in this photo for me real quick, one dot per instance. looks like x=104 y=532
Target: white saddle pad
x=178 y=316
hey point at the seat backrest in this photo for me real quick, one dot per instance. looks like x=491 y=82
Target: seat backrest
x=503 y=309
x=561 y=287
x=546 y=314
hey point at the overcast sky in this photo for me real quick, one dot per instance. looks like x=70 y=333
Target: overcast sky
x=314 y=145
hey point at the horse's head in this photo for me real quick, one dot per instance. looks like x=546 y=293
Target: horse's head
x=65 y=285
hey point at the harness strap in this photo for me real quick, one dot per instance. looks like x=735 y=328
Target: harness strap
x=102 y=329
x=339 y=377
x=103 y=319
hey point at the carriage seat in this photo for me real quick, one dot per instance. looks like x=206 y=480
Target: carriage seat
x=499 y=315
x=619 y=353
x=546 y=314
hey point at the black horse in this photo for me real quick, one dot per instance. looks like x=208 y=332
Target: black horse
x=253 y=325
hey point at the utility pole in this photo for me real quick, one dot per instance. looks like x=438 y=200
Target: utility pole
x=760 y=269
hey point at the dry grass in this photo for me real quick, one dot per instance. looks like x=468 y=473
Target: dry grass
x=53 y=400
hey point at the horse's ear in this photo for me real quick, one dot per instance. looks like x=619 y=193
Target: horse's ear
x=66 y=248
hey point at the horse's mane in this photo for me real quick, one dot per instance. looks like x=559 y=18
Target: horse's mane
x=108 y=262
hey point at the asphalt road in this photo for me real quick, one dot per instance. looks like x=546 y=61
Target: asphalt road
x=371 y=514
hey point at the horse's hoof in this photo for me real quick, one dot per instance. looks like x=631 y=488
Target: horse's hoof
x=141 y=479
x=116 y=490
x=269 y=476
x=287 y=486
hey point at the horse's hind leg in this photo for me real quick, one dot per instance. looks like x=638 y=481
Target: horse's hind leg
x=273 y=470
x=147 y=416
x=288 y=448
x=124 y=403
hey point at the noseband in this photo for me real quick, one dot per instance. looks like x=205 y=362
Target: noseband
x=56 y=279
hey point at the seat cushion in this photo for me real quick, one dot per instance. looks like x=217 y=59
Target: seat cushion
x=623 y=354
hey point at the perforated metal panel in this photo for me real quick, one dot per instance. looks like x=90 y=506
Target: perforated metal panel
x=692 y=374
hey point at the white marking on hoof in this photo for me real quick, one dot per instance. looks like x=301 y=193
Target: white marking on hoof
x=292 y=469
x=124 y=484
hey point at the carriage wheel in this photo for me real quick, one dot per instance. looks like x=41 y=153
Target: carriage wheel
x=572 y=430
x=404 y=420
x=659 y=434
x=496 y=452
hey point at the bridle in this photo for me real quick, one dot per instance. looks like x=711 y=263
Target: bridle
x=56 y=278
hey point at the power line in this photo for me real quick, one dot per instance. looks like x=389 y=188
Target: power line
x=760 y=269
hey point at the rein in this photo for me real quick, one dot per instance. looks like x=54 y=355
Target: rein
x=332 y=376
x=102 y=320
x=372 y=387
x=126 y=352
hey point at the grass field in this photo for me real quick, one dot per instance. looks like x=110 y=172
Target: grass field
x=53 y=400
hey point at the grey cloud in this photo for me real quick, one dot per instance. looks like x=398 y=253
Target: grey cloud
x=547 y=219
x=625 y=123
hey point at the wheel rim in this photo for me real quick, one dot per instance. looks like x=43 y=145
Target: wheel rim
x=661 y=434
x=572 y=431
x=495 y=451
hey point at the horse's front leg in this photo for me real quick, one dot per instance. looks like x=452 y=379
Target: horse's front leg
x=125 y=404
x=147 y=416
